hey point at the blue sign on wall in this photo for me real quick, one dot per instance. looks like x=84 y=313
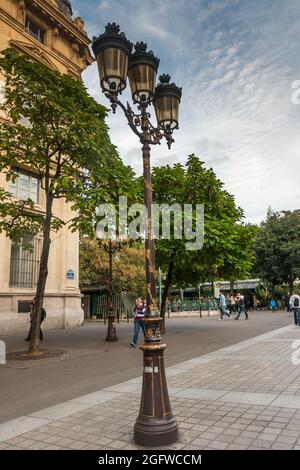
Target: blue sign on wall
x=70 y=274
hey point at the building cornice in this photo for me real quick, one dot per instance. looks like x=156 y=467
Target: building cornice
x=58 y=19
x=14 y=23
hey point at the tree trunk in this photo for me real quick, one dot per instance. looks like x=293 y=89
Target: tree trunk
x=167 y=286
x=43 y=273
x=110 y=288
x=231 y=286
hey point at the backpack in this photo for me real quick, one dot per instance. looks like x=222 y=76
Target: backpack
x=296 y=302
x=43 y=314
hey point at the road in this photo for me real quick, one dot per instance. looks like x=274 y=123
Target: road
x=92 y=364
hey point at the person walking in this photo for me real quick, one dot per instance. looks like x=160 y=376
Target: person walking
x=222 y=306
x=241 y=307
x=232 y=304
x=43 y=316
x=168 y=306
x=287 y=302
x=139 y=313
x=295 y=307
x=255 y=303
x=273 y=304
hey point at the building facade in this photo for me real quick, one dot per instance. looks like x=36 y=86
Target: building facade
x=45 y=31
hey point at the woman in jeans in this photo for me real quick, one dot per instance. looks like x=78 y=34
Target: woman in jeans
x=139 y=313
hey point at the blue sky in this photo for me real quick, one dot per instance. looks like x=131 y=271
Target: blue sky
x=236 y=61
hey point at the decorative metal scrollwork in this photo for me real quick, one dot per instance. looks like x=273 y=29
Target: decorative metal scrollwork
x=140 y=123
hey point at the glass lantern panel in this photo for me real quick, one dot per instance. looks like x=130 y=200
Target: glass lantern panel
x=167 y=111
x=142 y=82
x=112 y=65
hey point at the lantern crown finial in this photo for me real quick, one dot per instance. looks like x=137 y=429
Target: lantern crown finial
x=164 y=78
x=112 y=37
x=140 y=46
x=141 y=51
x=112 y=28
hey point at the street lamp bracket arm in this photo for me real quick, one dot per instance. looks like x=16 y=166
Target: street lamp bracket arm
x=149 y=134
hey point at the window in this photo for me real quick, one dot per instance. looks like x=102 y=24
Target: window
x=34 y=30
x=25 y=186
x=24 y=262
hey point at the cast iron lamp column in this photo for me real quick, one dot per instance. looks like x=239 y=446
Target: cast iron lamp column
x=155 y=424
x=110 y=247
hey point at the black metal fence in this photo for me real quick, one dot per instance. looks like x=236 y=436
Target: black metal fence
x=123 y=306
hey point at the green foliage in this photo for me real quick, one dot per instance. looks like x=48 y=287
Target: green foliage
x=227 y=243
x=240 y=254
x=128 y=267
x=277 y=248
x=58 y=131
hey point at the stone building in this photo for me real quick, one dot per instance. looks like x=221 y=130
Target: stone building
x=46 y=31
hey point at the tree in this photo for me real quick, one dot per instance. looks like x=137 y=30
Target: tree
x=195 y=184
x=240 y=256
x=128 y=267
x=57 y=130
x=277 y=248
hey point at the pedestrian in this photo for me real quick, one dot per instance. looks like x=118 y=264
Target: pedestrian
x=255 y=303
x=295 y=307
x=231 y=304
x=168 y=306
x=287 y=302
x=273 y=304
x=247 y=303
x=242 y=307
x=43 y=316
x=139 y=313
x=222 y=306
x=179 y=305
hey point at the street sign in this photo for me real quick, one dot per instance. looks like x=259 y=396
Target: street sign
x=70 y=275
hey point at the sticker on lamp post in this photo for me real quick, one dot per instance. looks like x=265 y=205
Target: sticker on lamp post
x=2 y=353
x=70 y=275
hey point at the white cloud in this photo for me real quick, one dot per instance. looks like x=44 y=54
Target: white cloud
x=236 y=62
x=104 y=5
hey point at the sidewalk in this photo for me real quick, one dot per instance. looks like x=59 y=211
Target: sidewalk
x=246 y=396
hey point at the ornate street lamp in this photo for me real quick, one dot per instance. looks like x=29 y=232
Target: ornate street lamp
x=155 y=424
x=111 y=247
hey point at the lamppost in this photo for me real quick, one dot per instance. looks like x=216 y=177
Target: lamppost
x=155 y=424
x=110 y=247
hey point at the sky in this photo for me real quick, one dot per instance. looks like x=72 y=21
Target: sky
x=237 y=62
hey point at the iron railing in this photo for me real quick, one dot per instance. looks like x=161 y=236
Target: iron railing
x=25 y=262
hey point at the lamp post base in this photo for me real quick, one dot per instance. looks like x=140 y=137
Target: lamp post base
x=155 y=434
x=155 y=426
x=111 y=329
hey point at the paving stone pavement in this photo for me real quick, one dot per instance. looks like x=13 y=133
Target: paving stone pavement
x=245 y=396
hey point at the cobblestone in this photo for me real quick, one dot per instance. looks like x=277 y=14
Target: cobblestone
x=262 y=367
